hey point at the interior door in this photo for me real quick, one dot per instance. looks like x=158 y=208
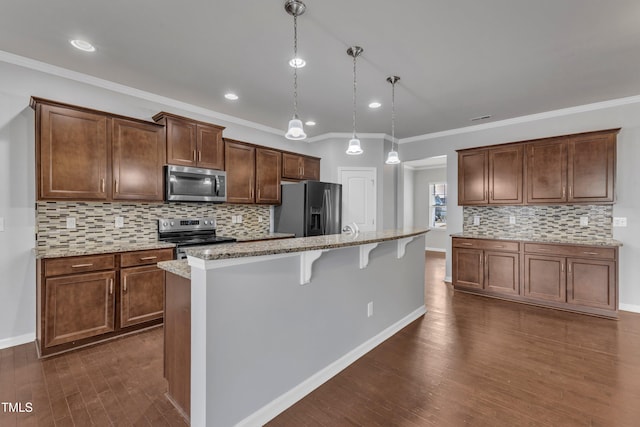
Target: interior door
x=359 y=197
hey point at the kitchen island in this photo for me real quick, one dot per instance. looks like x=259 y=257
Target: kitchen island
x=268 y=322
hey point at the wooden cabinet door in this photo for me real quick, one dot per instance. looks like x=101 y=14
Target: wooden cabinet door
x=72 y=154
x=210 y=147
x=78 y=306
x=592 y=283
x=591 y=168
x=472 y=178
x=546 y=169
x=505 y=175
x=502 y=272
x=468 y=268
x=310 y=168
x=240 y=161
x=545 y=278
x=138 y=156
x=268 y=166
x=291 y=166
x=141 y=294
x=181 y=142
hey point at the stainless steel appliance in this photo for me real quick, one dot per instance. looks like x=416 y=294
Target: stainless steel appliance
x=309 y=208
x=189 y=232
x=187 y=184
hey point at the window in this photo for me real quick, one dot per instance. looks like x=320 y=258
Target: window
x=438 y=205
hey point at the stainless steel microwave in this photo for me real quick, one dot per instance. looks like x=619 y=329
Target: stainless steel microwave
x=187 y=184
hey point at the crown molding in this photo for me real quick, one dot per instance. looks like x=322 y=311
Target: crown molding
x=349 y=135
x=530 y=118
x=127 y=90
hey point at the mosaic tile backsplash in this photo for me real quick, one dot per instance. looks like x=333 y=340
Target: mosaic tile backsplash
x=95 y=222
x=541 y=221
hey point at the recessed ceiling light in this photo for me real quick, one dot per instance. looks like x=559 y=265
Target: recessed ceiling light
x=82 y=45
x=297 y=63
x=375 y=105
x=488 y=116
x=231 y=96
x=310 y=123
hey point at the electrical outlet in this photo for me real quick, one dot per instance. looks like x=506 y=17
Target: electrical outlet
x=476 y=220
x=239 y=219
x=71 y=223
x=620 y=221
x=119 y=222
x=370 y=309
x=260 y=218
x=1 y=224
x=512 y=220
x=234 y=219
x=584 y=221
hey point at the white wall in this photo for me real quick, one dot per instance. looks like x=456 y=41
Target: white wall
x=437 y=239
x=17 y=169
x=408 y=200
x=622 y=113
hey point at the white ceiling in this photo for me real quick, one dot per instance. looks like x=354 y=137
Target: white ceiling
x=457 y=59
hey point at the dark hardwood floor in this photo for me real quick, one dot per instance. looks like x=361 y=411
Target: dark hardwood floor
x=469 y=361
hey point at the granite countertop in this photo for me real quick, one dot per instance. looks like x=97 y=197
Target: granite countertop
x=590 y=241
x=179 y=266
x=262 y=236
x=298 y=244
x=99 y=249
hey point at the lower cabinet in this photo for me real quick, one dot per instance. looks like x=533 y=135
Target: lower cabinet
x=567 y=277
x=85 y=299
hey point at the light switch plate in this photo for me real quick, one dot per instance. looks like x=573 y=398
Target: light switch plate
x=239 y=219
x=119 y=222
x=584 y=221
x=476 y=220
x=512 y=220
x=1 y=224
x=620 y=221
x=71 y=222
x=234 y=219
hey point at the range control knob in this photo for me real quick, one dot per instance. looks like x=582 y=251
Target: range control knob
x=172 y=223
x=164 y=224
x=206 y=222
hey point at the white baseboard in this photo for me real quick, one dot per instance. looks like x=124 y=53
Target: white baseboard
x=13 y=341
x=630 y=307
x=278 y=405
x=435 y=249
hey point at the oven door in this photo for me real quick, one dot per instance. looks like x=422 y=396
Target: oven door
x=187 y=184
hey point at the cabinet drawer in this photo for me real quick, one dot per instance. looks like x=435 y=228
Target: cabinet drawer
x=131 y=259
x=496 y=245
x=571 y=251
x=79 y=264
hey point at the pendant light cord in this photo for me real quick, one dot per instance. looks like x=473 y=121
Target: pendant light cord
x=295 y=68
x=393 y=114
x=354 y=96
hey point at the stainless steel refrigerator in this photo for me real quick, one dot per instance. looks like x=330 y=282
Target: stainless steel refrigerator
x=309 y=208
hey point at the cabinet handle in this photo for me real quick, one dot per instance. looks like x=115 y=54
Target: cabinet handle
x=466 y=244
x=259 y=193
x=110 y=286
x=562 y=267
x=117 y=186
x=544 y=250
x=500 y=246
x=199 y=155
x=564 y=192
x=102 y=184
x=124 y=289
x=82 y=265
x=591 y=253
x=147 y=258
x=569 y=267
x=570 y=191
x=194 y=155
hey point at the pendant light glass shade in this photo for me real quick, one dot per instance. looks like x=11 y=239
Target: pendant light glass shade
x=354 y=147
x=392 y=157
x=295 y=131
x=354 y=143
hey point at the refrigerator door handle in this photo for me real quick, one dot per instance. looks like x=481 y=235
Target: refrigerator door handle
x=323 y=213
x=328 y=210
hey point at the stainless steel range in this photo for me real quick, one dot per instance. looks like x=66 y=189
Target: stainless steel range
x=189 y=232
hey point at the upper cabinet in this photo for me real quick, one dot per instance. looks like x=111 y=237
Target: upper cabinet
x=253 y=173
x=83 y=154
x=299 y=167
x=192 y=143
x=561 y=170
x=490 y=176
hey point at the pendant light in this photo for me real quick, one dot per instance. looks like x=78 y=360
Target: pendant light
x=392 y=158
x=295 y=131
x=354 y=143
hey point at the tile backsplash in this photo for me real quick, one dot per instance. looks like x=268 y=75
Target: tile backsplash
x=95 y=222
x=541 y=221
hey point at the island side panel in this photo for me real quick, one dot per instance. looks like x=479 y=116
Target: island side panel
x=266 y=333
